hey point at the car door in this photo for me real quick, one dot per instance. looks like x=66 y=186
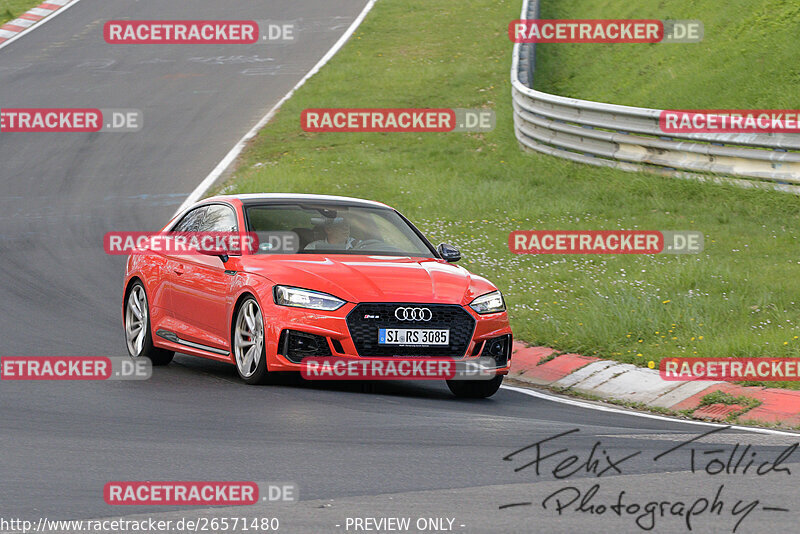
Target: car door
x=190 y=222
x=201 y=287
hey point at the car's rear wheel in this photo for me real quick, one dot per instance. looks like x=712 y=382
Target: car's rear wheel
x=475 y=389
x=137 y=328
x=248 y=343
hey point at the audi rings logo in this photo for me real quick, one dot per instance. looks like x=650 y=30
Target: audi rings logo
x=413 y=314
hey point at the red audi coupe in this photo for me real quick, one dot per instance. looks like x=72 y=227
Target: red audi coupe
x=358 y=281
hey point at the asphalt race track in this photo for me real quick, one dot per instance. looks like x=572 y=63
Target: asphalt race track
x=386 y=449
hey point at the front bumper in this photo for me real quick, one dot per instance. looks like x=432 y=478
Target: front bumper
x=295 y=333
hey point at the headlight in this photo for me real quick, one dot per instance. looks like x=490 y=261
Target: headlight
x=489 y=303
x=305 y=298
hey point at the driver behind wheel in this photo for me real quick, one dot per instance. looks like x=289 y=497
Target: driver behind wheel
x=337 y=236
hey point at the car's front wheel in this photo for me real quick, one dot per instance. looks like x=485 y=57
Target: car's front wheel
x=475 y=389
x=137 y=328
x=248 y=343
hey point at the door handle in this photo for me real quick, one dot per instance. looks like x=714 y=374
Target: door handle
x=178 y=270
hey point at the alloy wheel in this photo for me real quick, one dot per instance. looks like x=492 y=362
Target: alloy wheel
x=248 y=338
x=136 y=320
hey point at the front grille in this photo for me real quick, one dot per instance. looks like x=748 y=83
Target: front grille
x=367 y=318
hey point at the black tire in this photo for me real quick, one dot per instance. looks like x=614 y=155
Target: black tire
x=475 y=389
x=240 y=330
x=143 y=348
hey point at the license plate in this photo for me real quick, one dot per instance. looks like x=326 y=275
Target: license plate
x=413 y=336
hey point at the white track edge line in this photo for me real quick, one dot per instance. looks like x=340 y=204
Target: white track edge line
x=581 y=404
x=39 y=23
x=209 y=180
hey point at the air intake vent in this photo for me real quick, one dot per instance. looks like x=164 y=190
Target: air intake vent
x=298 y=345
x=498 y=348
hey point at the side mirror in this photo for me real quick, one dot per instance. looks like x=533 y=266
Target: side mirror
x=221 y=254
x=448 y=253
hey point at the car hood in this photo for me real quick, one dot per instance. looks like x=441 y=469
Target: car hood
x=372 y=278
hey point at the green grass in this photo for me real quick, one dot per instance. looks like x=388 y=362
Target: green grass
x=11 y=9
x=748 y=58
x=720 y=397
x=738 y=298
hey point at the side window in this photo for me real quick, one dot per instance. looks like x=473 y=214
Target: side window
x=219 y=219
x=191 y=221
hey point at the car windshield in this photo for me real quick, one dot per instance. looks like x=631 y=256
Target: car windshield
x=340 y=229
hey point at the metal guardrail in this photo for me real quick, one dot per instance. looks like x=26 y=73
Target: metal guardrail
x=629 y=138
